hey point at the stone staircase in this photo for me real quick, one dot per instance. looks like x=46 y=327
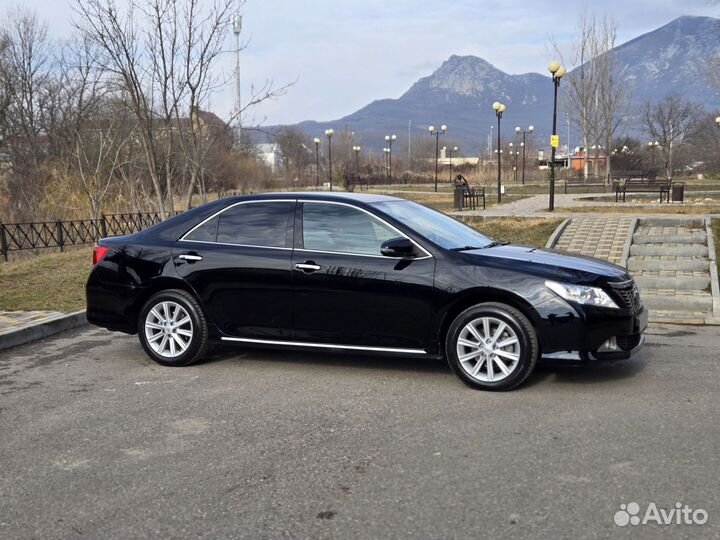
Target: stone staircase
x=673 y=263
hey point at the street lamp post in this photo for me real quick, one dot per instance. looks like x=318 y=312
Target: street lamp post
x=557 y=72
x=317 y=161
x=499 y=109
x=513 y=161
x=518 y=130
x=329 y=133
x=386 y=153
x=452 y=151
x=437 y=134
x=390 y=139
x=653 y=145
x=357 y=149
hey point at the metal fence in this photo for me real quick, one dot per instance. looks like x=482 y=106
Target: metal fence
x=59 y=234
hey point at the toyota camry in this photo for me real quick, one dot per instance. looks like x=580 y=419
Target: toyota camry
x=367 y=273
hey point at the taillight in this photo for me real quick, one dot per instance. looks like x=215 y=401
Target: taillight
x=98 y=254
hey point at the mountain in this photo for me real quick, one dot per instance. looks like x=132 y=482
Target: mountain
x=671 y=59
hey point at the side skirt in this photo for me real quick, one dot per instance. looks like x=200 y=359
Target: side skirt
x=325 y=345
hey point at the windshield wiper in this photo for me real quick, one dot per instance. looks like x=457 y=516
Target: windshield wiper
x=465 y=248
x=495 y=243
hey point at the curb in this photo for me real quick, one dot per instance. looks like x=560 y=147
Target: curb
x=714 y=284
x=628 y=242
x=555 y=236
x=28 y=334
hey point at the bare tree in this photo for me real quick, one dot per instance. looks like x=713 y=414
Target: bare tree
x=297 y=151
x=25 y=75
x=613 y=89
x=100 y=152
x=580 y=88
x=668 y=122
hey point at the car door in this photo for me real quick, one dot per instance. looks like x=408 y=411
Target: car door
x=238 y=263
x=348 y=293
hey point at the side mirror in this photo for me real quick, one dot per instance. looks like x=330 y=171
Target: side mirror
x=397 y=247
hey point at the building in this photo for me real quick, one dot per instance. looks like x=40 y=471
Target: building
x=269 y=153
x=577 y=159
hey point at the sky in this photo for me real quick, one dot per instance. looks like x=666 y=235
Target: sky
x=340 y=55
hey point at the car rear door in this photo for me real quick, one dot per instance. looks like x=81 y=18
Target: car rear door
x=238 y=262
x=346 y=292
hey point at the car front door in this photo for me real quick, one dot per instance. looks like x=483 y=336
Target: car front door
x=238 y=263
x=348 y=293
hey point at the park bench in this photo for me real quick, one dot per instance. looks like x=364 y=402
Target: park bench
x=467 y=196
x=649 y=184
x=586 y=182
x=618 y=178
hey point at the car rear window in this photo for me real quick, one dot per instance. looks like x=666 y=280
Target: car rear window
x=256 y=224
x=204 y=233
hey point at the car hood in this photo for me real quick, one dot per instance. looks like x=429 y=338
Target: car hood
x=558 y=263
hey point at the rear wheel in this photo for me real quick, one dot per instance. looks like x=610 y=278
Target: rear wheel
x=172 y=328
x=492 y=346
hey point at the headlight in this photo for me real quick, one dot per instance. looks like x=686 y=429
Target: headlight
x=591 y=296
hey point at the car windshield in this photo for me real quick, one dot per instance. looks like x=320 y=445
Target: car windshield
x=435 y=226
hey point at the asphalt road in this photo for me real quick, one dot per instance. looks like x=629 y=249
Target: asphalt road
x=96 y=441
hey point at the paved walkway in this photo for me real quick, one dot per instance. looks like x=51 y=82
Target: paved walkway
x=596 y=236
x=13 y=320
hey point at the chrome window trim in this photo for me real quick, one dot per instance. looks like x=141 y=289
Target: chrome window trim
x=399 y=232
x=363 y=255
x=325 y=345
x=183 y=239
x=236 y=245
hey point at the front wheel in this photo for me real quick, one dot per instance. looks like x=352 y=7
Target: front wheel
x=492 y=346
x=172 y=328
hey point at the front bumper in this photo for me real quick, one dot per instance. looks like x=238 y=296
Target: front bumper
x=612 y=351
x=601 y=332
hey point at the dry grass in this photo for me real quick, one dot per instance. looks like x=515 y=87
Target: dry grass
x=621 y=209
x=715 y=225
x=529 y=231
x=54 y=281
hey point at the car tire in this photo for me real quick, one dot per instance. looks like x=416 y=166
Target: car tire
x=492 y=346
x=172 y=328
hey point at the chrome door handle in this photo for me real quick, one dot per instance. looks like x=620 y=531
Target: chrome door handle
x=189 y=257
x=308 y=267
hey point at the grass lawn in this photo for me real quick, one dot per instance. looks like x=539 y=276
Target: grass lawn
x=52 y=281
x=56 y=281
x=715 y=224
x=622 y=209
x=444 y=201
x=530 y=231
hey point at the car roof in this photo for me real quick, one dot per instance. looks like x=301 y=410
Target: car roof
x=175 y=226
x=340 y=196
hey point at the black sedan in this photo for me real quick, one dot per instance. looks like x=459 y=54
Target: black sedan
x=359 y=273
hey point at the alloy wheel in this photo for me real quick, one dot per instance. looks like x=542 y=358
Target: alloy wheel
x=488 y=349
x=168 y=329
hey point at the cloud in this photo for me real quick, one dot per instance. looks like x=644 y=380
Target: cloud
x=345 y=54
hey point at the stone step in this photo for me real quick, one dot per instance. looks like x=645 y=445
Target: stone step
x=696 y=223
x=696 y=238
x=668 y=248
x=684 y=283
x=678 y=264
x=697 y=302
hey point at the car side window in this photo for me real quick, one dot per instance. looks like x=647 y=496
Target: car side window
x=336 y=227
x=256 y=224
x=205 y=232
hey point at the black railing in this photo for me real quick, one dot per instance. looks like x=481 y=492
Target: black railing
x=59 y=234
